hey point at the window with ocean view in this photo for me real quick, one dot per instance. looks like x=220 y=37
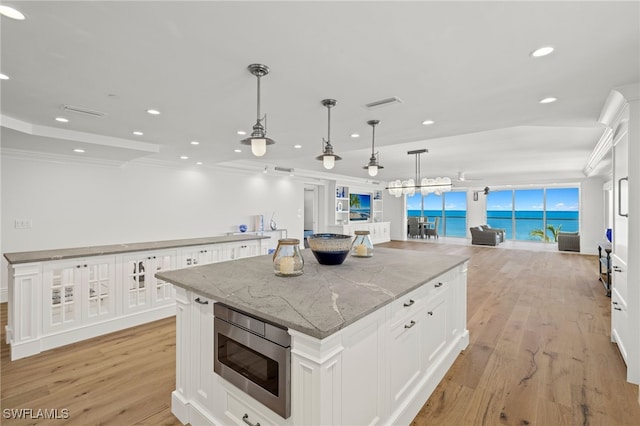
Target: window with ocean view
x=534 y=214
x=449 y=207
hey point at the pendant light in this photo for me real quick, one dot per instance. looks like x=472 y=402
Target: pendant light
x=328 y=158
x=258 y=139
x=373 y=165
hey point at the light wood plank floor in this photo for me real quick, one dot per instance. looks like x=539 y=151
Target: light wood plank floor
x=540 y=354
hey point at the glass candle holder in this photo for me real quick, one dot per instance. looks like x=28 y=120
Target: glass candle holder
x=287 y=260
x=362 y=245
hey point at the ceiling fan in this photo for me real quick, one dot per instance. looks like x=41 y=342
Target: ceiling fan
x=462 y=178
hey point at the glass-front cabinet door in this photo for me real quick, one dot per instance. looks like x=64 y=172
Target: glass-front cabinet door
x=61 y=304
x=142 y=289
x=76 y=291
x=99 y=295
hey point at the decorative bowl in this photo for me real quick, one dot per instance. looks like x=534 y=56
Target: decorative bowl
x=330 y=249
x=243 y=228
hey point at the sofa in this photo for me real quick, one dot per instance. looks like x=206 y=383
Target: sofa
x=500 y=231
x=485 y=237
x=568 y=241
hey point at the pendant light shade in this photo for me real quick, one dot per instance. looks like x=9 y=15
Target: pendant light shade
x=328 y=158
x=258 y=139
x=373 y=167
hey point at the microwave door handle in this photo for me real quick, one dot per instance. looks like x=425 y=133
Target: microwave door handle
x=620 y=197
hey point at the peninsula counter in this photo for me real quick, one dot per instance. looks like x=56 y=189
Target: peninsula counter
x=370 y=339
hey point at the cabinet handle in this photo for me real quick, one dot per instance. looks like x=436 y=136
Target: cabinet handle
x=617 y=269
x=411 y=324
x=438 y=285
x=430 y=313
x=245 y=419
x=411 y=302
x=85 y=266
x=78 y=266
x=202 y=302
x=617 y=309
x=620 y=197
x=614 y=302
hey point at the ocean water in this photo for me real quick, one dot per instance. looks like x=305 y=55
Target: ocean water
x=455 y=222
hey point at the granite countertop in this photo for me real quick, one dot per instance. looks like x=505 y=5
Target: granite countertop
x=325 y=298
x=71 y=253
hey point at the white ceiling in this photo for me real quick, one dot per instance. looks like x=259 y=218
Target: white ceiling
x=465 y=65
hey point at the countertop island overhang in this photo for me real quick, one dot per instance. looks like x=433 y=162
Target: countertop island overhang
x=326 y=298
x=370 y=339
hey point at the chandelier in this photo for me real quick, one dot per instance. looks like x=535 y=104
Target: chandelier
x=258 y=139
x=425 y=185
x=328 y=158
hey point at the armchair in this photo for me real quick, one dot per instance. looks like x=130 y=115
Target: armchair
x=568 y=241
x=484 y=237
x=500 y=231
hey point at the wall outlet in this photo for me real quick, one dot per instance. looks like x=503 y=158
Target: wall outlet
x=23 y=223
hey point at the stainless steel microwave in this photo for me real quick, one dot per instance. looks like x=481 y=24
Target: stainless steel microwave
x=255 y=356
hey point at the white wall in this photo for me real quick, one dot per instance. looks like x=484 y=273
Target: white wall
x=592 y=215
x=79 y=204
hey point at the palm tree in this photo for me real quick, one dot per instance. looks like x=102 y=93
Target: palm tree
x=354 y=201
x=539 y=233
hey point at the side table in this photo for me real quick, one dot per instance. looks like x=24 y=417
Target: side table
x=604 y=265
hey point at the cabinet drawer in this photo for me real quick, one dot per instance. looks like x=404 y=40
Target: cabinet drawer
x=242 y=413
x=407 y=305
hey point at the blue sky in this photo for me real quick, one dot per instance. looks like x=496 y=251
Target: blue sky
x=558 y=199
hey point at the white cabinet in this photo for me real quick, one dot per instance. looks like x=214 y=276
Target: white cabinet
x=379 y=370
x=142 y=289
x=378 y=232
x=240 y=250
x=77 y=292
x=201 y=255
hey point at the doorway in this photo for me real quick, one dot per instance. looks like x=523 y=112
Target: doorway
x=311 y=210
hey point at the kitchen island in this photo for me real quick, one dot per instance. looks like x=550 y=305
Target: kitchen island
x=370 y=339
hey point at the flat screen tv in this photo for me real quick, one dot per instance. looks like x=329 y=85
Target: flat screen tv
x=359 y=207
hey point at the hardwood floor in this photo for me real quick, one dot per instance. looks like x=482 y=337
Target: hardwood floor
x=539 y=354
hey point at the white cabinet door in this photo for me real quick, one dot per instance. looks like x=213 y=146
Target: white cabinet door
x=202 y=349
x=98 y=290
x=61 y=295
x=142 y=289
x=78 y=291
x=405 y=361
x=201 y=255
x=435 y=327
x=243 y=249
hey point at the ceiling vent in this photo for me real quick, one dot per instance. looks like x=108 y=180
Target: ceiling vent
x=384 y=102
x=85 y=111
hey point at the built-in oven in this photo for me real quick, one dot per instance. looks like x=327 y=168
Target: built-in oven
x=255 y=356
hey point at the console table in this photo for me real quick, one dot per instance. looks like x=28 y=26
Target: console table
x=604 y=265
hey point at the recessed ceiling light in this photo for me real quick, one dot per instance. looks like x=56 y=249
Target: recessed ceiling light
x=153 y=111
x=12 y=13
x=548 y=100
x=195 y=143
x=199 y=163
x=138 y=133
x=297 y=146
x=184 y=157
x=237 y=150
x=4 y=77
x=78 y=150
x=62 y=119
x=241 y=132
x=428 y=122
x=355 y=135
x=543 y=51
